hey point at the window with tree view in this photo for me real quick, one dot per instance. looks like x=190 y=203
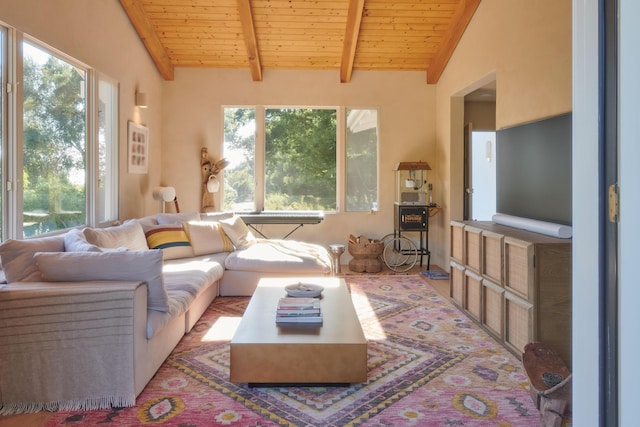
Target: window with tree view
x=300 y=167
x=54 y=138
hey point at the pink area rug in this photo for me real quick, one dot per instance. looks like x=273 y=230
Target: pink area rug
x=429 y=365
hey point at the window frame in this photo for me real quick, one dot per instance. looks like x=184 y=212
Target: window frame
x=12 y=199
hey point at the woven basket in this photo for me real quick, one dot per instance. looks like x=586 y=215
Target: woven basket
x=366 y=250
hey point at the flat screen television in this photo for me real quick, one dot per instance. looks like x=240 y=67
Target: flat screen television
x=533 y=170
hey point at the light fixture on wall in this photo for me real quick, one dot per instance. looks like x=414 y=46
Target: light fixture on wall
x=488 y=150
x=213 y=185
x=165 y=194
x=141 y=99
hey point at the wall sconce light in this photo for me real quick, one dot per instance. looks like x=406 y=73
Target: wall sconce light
x=488 y=150
x=141 y=100
x=165 y=194
x=213 y=185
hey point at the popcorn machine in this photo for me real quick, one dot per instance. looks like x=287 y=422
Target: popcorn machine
x=412 y=187
x=413 y=200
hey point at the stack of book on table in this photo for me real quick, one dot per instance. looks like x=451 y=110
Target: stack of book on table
x=298 y=310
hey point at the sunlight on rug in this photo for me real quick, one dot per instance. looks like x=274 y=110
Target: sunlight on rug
x=429 y=365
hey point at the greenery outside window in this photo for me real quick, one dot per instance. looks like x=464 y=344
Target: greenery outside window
x=300 y=159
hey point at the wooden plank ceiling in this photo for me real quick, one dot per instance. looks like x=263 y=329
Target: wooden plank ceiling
x=342 y=35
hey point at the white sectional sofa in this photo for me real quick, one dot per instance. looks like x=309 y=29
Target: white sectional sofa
x=88 y=317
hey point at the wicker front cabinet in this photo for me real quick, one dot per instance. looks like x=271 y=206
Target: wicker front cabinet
x=514 y=283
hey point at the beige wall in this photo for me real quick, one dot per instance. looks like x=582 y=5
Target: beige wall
x=192 y=118
x=99 y=34
x=482 y=115
x=526 y=47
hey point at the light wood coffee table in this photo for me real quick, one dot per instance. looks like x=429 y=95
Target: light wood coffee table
x=264 y=353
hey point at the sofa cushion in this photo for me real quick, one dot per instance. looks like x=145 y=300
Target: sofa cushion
x=17 y=257
x=129 y=235
x=207 y=237
x=275 y=256
x=238 y=232
x=193 y=275
x=177 y=218
x=171 y=239
x=94 y=266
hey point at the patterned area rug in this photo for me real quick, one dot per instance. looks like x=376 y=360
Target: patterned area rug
x=429 y=365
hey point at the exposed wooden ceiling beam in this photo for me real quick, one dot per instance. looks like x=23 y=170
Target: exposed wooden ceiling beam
x=143 y=26
x=460 y=21
x=250 y=40
x=354 y=18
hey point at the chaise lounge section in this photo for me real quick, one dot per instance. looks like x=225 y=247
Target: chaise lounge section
x=88 y=317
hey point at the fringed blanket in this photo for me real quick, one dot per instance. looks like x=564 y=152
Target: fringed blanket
x=66 y=346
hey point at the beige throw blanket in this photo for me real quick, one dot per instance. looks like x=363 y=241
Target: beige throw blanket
x=66 y=346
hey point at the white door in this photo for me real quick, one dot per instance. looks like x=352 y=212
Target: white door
x=483 y=175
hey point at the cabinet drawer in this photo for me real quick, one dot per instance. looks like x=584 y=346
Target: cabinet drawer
x=457 y=242
x=492 y=246
x=492 y=308
x=518 y=267
x=518 y=323
x=473 y=248
x=456 y=283
x=472 y=294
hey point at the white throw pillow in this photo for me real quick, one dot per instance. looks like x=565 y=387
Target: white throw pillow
x=75 y=241
x=17 y=257
x=122 y=266
x=128 y=235
x=238 y=232
x=177 y=218
x=207 y=237
x=171 y=239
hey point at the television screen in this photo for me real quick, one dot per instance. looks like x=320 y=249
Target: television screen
x=533 y=170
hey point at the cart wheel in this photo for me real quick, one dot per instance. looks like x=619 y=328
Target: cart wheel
x=400 y=254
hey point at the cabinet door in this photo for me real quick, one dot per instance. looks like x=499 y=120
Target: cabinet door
x=518 y=323
x=492 y=308
x=473 y=248
x=492 y=246
x=472 y=294
x=457 y=242
x=456 y=283
x=519 y=267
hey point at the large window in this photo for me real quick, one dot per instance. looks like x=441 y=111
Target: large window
x=59 y=131
x=55 y=142
x=362 y=159
x=291 y=159
x=107 y=191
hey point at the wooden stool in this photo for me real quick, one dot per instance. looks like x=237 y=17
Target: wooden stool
x=550 y=383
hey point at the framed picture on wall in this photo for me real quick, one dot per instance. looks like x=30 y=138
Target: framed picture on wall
x=138 y=148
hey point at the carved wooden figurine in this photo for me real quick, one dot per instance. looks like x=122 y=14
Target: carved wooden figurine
x=210 y=171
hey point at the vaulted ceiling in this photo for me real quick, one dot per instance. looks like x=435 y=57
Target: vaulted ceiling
x=342 y=35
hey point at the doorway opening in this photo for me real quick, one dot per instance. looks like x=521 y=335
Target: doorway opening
x=480 y=153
